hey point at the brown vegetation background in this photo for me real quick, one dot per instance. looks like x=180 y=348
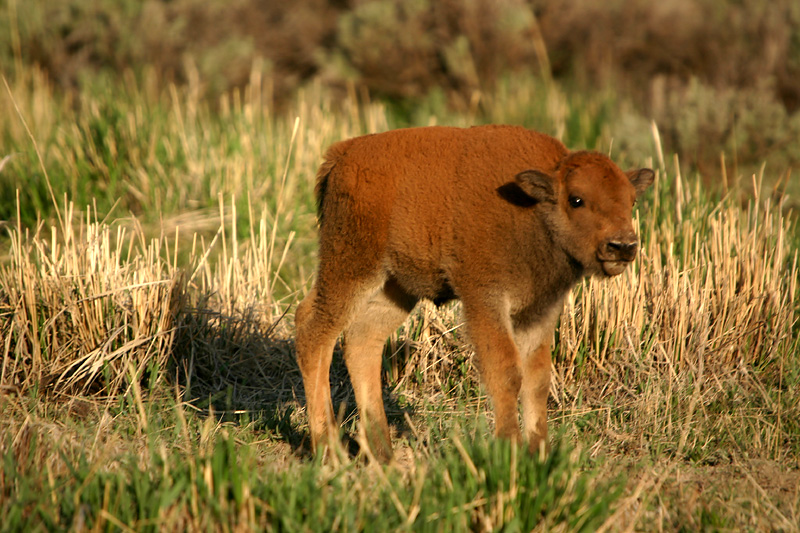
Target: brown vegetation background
x=404 y=48
x=712 y=74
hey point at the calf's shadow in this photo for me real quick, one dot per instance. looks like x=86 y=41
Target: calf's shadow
x=242 y=369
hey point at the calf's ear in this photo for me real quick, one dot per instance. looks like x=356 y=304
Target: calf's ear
x=641 y=179
x=537 y=184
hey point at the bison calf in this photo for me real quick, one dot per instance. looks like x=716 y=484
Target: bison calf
x=505 y=219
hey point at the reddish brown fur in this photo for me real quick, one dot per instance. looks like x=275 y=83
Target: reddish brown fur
x=481 y=214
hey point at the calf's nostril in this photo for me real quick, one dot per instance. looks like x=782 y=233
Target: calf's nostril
x=624 y=250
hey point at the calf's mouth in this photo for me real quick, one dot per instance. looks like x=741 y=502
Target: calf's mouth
x=613 y=267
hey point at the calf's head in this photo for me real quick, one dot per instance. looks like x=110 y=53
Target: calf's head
x=587 y=204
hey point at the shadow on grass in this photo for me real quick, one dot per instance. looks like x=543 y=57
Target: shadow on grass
x=242 y=369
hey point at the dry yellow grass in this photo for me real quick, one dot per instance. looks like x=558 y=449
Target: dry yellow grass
x=86 y=307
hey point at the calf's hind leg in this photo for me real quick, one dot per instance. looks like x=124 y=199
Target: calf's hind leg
x=364 y=340
x=535 y=389
x=314 y=351
x=320 y=318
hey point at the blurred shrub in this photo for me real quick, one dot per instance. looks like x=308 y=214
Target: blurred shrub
x=751 y=125
x=714 y=75
x=632 y=42
x=213 y=43
x=403 y=49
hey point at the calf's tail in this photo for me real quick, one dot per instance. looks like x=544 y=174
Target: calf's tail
x=332 y=157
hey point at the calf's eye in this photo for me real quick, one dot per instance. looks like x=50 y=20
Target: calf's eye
x=576 y=202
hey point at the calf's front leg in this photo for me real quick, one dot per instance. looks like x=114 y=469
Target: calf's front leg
x=534 y=339
x=498 y=362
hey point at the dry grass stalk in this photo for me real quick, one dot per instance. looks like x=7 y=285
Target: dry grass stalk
x=83 y=303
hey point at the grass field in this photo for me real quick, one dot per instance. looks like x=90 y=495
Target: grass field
x=155 y=247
